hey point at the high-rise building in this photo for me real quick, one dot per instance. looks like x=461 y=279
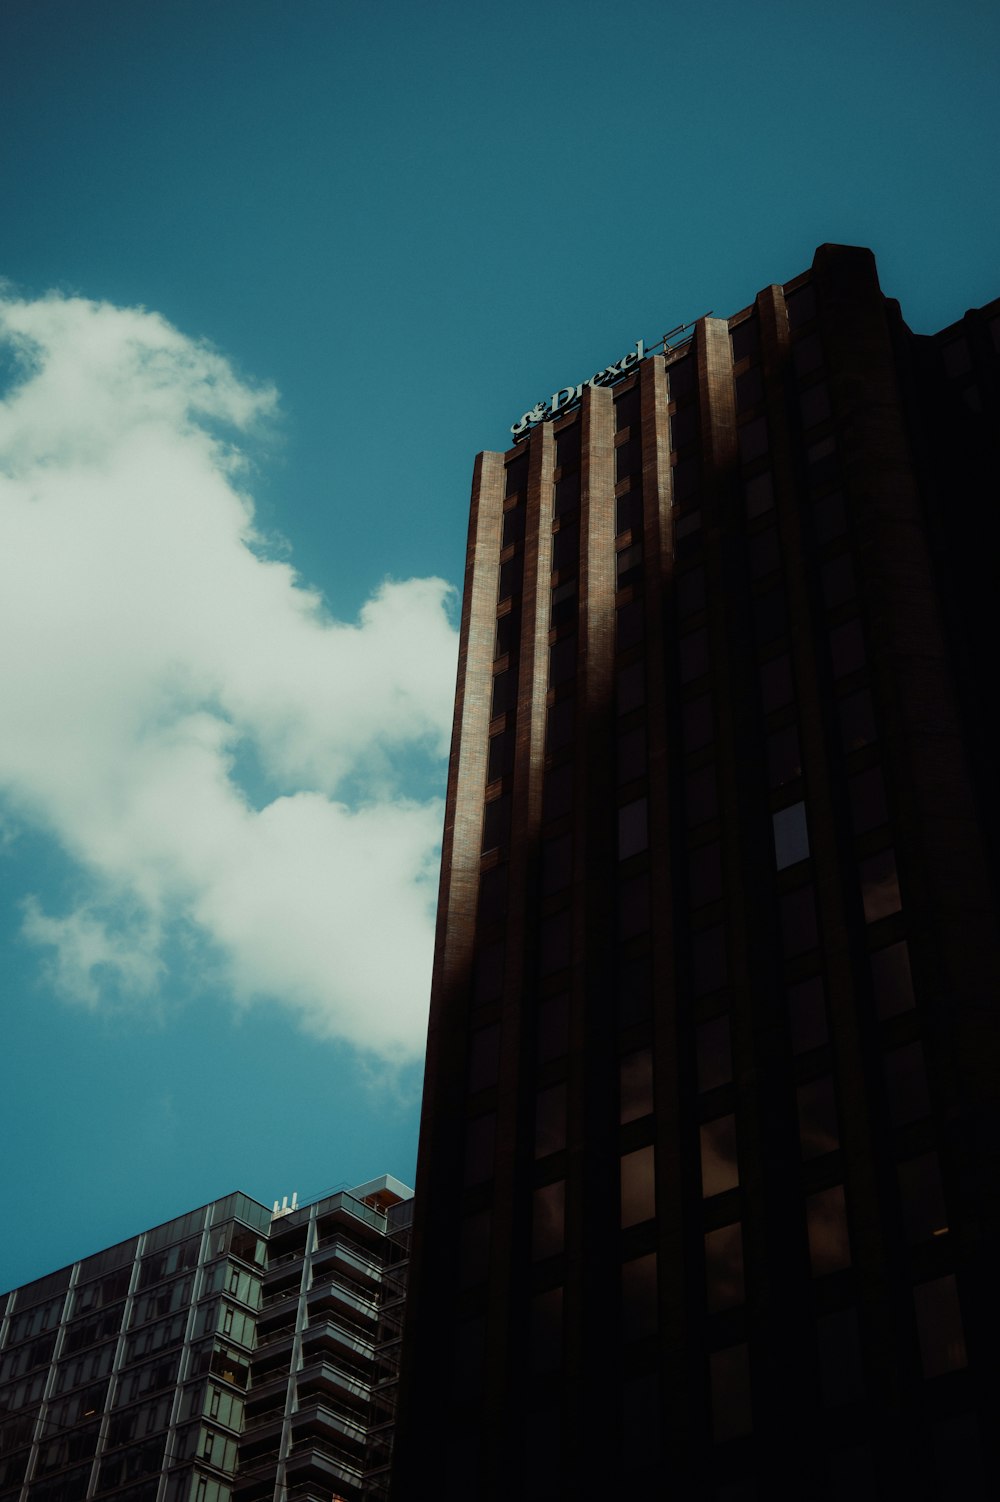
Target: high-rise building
x=233 y=1353
x=707 y=1195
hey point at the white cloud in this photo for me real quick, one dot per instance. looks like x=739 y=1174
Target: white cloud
x=149 y=646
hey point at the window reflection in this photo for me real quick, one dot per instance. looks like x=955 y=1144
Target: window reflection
x=817 y=1117
x=892 y=983
x=939 y=1326
x=633 y=828
x=807 y=1014
x=550 y=1120
x=548 y=1220
x=791 y=837
x=638 y=1189
x=921 y=1194
x=826 y=1222
x=719 y=1165
x=724 y=1268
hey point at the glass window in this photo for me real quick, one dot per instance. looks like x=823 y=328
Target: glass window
x=504 y=692
x=715 y=1054
x=957 y=359
x=807 y=1014
x=562 y=660
x=807 y=354
x=700 y=797
x=564 y=602
x=557 y=792
x=801 y=305
x=753 y=439
x=566 y=549
x=496 y=822
x=921 y=1194
x=510 y=577
x=776 y=683
x=545 y=1330
x=759 y=493
x=487 y=975
x=557 y=864
x=839 y=581
x=480 y=1139
x=631 y=687
x=633 y=989
x=868 y=805
x=692 y=655
x=826 y=1223
x=550 y=1120
x=636 y=1075
x=708 y=948
x=857 y=720
x=814 y=403
x=687 y=525
x=686 y=476
x=696 y=723
x=791 y=837
x=746 y=339
x=830 y=516
x=840 y=1364
x=632 y=754
x=690 y=591
x=553 y=1027
x=513 y=525
x=559 y=724
x=554 y=940
x=892 y=983
x=548 y=1220
x=764 y=555
x=730 y=1381
x=770 y=616
x=639 y=1297
x=724 y=1268
x=638 y=1187
x=484 y=1057
x=628 y=564
x=719 y=1164
x=939 y=1326
x=784 y=757
x=633 y=828
x=817 y=1117
x=492 y=895
x=749 y=389
x=684 y=426
x=847 y=648
x=705 y=874
x=906 y=1084
x=880 y=886
x=501 y=755
x=628 y=512
x=629 y=625
x=633 y=906
x=799 y=931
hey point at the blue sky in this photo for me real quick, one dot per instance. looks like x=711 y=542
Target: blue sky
x=274 y=273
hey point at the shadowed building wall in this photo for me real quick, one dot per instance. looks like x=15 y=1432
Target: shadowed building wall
x=707 y=1188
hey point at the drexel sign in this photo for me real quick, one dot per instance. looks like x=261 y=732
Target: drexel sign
x=567 y=395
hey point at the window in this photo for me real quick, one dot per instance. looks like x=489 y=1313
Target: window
x=807 y=354
x=839 y=583
x=638 y=1188
x=492 y=895
x=632 y=754
x=554 y=940
x=696 y=723
x=868 y=805
x=784 y=757
x=759 y=494
x=830 y=516
x=513 y=526
x=753 y=440
x=807 y=1015
x=557 y=793
x=826 y=1224
x=857 y=720
x=719 y=1164
x=749 y=389
x=921 y=1194
x=564 y=602
x=636 y=1090
x=764 y=555
x=633 y=828
x=724 y=1268
x=892 y=984
x=639 y=1297
x=628 y=564
x=939 y=1326
x=545 y=1330
x=847 y=648
x=700 y=797
x=633 y=906
x=814 y=404
x=628 y=512
x=504 y=693
x=791 y=837
x=776 y=683
x=746 y=339
x=840 y=1365
x=510 y=577
x=629 y=625
x=487 y=974
x=566 y=549
x=705 y=874
x=484 y=1057
x=708 y=948
x=631 y=687
x=562 y=660
x=906 y=1084
x=714 y=1052
x=799 y=930
x=548 y=1220
x=690 y=591
x=480 y=1139
x=692 y=655
x=559 y=725
x=496 y=822
x=557 y=864
x=553 y=1027
x=550 y=1120
x=729 y=1372
x=817 y=1117
x=879 y=886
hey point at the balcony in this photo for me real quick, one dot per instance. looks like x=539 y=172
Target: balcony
x=333 y=1295
x=343 y=1344
x=317 y=1421
x=335 y=1253
x=312 y=1465
x=321 y=1376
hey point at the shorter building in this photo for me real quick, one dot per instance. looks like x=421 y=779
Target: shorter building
x=228 y=1354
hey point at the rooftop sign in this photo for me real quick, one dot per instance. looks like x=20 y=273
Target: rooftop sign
x=567 y=395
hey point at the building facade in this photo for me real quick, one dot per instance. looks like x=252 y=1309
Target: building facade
x=230 y=1353
x=714 y=1053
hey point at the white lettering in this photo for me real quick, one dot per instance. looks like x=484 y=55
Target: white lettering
x=566 y=395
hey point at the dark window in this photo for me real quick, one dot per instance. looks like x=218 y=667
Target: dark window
x=692 y=654
x=724 y=1268
x=628 y=512
x=633 y=828
x=633 y=989
x=550 y=1120
x=686 y=476
x=687 y=526
x=807 y=354
x=627 y=408
x=554 y=939
x=749 y=389
x=567 y=494
x=906 y=1084
x=700 y=797
x=817 y=1107
x=921 y=1194
x=638 y=1186
x=557 y=864
x=484 y=1057
x=501 y=756
x=801 y=306
x=956 y=358
x=892 y=983
x=784 y=758
x=776 y=688
x=705 y=874
x=826 y=1223
x=474 y=1249
x=814 y=404
x=487 y=981
x=715 y=1054
x=631 y=687
x=562 y=660
x=799 y=930
x=513 y=525
x=632 y=754
x=753 y=439
x=506 y=638
x=840 y=1364
x=764 y=554
x=847 y=648
x=696 y=723
x=719 y=1164
x=639 y=1297
x=553 y=1027
x=566 y=549
x=559 y=724
x=807 y=1014
x=746 y=339
x=628 y=564
x=628 y=458
x=510 y=576
x=708 y=949
x=496 y=822
x=830 y=516
x=868 y=806
x=879 y=886
x=480 y=1139
x=629 y=625
x=492 y=895
x=557 y=798
x=504 y=693
x=564 y=602
x=939 y=1326
x=770 y=616
x=690 y=591
x=839 y=582
x=684 y=426
x=730 y=1379
x=633 y=906
x=548 y=1220
x=636 y=1076
x=516 y=475
x=759 y=494
x=857 y=720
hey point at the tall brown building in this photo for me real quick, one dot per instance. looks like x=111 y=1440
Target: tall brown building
x=707 y=1199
